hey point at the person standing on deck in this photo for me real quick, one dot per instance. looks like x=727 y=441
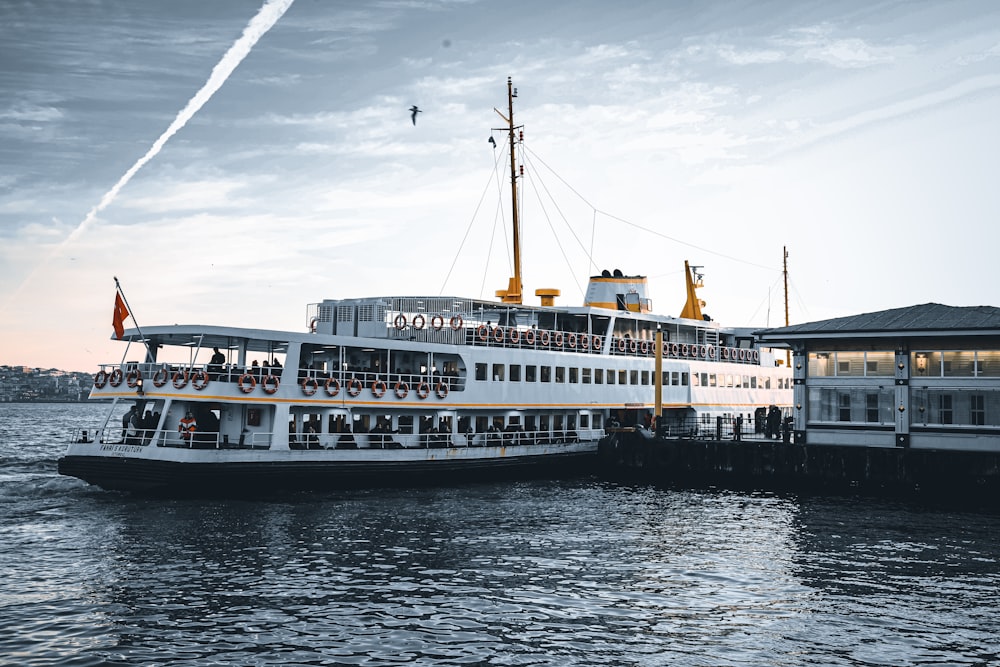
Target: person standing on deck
x=187 y=427
x=127 y=420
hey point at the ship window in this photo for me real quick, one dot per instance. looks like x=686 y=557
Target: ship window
x=515 y=373
x=645 y=378
x=871 y=407
x=684 y=379
x=498 y=372
x=712 y=379
x=481 y=372
x=543 y=424
x=633 y=377
x=598 y=376
x=560 y=374
x=696 y=380
x=574 y=375
x=530 y=373
x=666 y=378
x=405 y=424
x=753 y=381
x=586 y=375
x=622 y=376
x=529 y=423
x=597 y=420
x=482 y=424
x=546 y=373
x=585 y=420
x=611 y=376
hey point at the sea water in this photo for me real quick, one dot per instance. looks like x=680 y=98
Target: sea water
x=568 y=572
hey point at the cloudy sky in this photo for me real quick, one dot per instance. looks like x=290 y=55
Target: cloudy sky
x=233 y=161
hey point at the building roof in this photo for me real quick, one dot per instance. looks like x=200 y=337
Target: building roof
x=923 y=319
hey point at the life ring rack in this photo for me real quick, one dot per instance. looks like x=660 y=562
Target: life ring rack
x=309 y=386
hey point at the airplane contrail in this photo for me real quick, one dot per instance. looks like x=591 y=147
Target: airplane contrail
x=256 y=28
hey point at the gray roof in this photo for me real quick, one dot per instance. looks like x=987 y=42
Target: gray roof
x=927 y=318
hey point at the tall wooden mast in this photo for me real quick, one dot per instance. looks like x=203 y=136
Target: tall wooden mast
x=514 y=287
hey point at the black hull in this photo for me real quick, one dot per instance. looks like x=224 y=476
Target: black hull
x=171 y=478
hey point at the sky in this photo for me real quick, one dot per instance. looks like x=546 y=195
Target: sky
x=231 y=162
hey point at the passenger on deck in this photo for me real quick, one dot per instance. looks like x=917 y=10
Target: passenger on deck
x=187 y=427
x=146 y=427
x=215 y=364
x=127 y=420
x=255 y=369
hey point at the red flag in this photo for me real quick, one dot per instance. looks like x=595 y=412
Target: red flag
x=121 y=312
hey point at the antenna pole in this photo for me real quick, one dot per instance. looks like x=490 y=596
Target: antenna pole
x=516 y=284
x=784 y=249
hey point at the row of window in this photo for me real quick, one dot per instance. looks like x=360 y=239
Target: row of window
x=927 y=406
x=923 y=363
x=573 y=375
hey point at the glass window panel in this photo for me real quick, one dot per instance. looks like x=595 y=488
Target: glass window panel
x=989 y=363
x=880 y=364
x=820 y=364
x=850 y=364
x=958 y=363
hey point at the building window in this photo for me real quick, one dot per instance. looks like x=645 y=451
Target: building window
x=871 y=408
x=944 y=409
x=977 y=415
x=844 y=402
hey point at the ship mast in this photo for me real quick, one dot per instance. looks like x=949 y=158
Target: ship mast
x=784 y=249
x=514 y=288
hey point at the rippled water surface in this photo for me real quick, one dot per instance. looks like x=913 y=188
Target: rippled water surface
x=579 y=572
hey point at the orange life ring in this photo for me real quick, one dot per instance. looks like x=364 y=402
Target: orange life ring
x=247 y=383
x=711 y=352
x=483 y=332
x=584 y=342
x=456 y=322
x=694 y=351
x=675 y=349
x=266 y=383
x=622 y=344
x=543 y=338
x=116 y=377
x=312 y=325
x=632 y=345
x=132 y=379
x=644 y=347
x=725 y=353
x=442 y=389
x=354 y=387
x=557 y=340
x=498 y=334
x=423 y=390
x=401 y=389
x=378 y=388
x=160 y=377
x=310 y=386
x=597 y=343
x=515 y=335
x=756 y=356
x=180 y=379
x=684 y=350
x=743 y=354
x=529 y=336
x=400 y=321
x=666 y=349
x=437 y=322
x=419 y=321
x=332 y=386
x=199 y=380
x=571 y=340
x=101 y=379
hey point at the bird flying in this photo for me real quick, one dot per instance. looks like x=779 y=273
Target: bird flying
x=413 y=113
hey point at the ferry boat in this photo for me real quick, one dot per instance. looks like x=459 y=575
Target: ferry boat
x=416 y=389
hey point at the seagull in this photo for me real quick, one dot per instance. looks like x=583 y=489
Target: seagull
x=492 y=142
x=413 y=113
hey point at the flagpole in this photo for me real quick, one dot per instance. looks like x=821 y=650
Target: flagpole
x=149 y=352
